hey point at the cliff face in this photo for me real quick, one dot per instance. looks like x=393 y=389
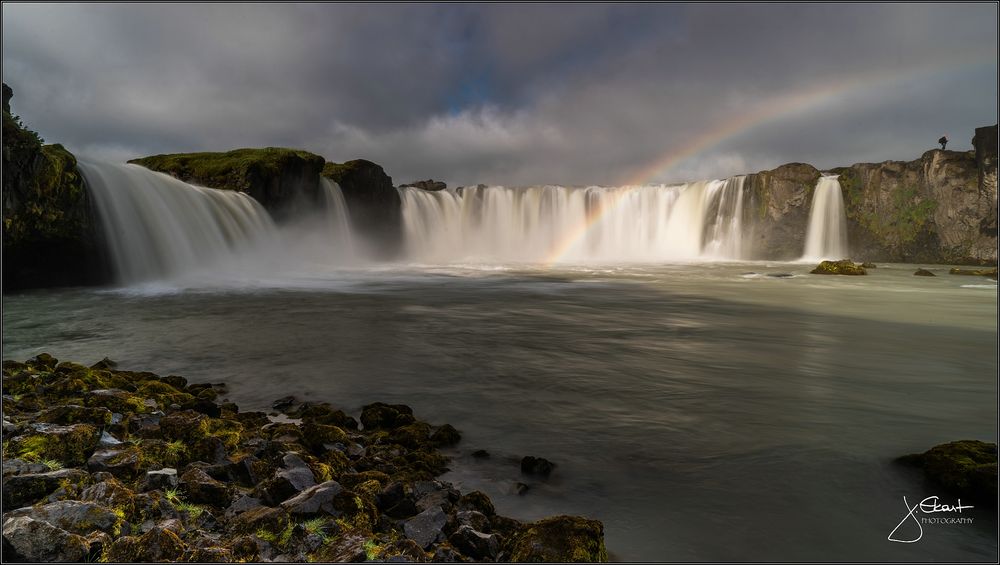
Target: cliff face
x=50 y=237
x=940 y=208
x=284 y=181
x=779 y=210
x=374 y=204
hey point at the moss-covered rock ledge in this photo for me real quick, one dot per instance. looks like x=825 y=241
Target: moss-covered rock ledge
x=280 y=179
x=125 y=466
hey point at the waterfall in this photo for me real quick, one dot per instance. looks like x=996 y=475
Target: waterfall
x=157 y=226
x=554 y=223
x=338 y=223
x=826 y=237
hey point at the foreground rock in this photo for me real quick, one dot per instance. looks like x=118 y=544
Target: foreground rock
x=923 y=273
x=842 y=267
x=967 y=469
x=132 y=467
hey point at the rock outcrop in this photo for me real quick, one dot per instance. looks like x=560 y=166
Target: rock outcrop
x=430 y=185
x=374 y=204
x=284 y=181
x=965 y=468
x=779 y=210
x=50 y=236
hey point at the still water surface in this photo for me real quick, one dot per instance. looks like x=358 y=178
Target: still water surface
x=702 y=412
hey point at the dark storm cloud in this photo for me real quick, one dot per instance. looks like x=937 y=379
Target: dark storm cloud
x=506 y=93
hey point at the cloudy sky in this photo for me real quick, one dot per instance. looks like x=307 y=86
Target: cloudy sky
x=509 y=94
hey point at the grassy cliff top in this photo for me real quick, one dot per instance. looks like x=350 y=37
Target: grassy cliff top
x=215 y=168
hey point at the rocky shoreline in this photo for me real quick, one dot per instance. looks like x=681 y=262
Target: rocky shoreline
x=101 y=464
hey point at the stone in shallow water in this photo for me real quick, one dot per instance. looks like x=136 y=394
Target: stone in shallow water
x=965 y=468
x=560 y=539
x=537 y=466
x=923 y=273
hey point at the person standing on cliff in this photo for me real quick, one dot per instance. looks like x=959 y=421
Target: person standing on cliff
x=943 y=141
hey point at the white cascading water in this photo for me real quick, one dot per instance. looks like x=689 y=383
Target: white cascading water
x=558 y=224
x=338 y=223
x=157 y=226
x=826 y=236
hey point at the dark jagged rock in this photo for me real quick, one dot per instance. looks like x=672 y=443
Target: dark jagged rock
x=380 y=416
x=314 y=500
x=475 y=544
x=71 y=515
x=842 y=267
x=964 y=468
x=50 y=237
x=536 y=466
x=202 y=488
x=69 y=445
x=158 y=544
x=373 y=202
x=22 y=490
x=425 y=528
x=566 y=539
x=429 y=185
x=481 y=454
x=285 y=181
x=477 y=501
x=446 y=436
x=38 y=541
x=923 y=273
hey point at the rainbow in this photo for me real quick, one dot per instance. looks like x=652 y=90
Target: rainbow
x=771 y=110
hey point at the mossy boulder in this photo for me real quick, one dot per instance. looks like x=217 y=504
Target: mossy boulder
x=923 y=273
x=22 y=490
x=51 y=237
x=158 y=544
x=373 y=202
x=68 y=445
x=565 y=539
x=283 y=180
x=842 y=267
x=991 y=273
x=381 y=416
x=67 y=414
x=965 y=468
x=31 y=540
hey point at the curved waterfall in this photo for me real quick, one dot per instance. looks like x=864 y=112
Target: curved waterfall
x=702 y=220
x=157 y=226
x=826 y=236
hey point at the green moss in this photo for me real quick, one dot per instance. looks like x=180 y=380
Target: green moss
x=842 y=267
x=232 y=170
x=560 y=539
x=966 y=468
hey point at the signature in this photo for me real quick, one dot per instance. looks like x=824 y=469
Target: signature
x=928 y=505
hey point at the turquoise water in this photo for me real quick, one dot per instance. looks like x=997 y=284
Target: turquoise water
x=702 y=411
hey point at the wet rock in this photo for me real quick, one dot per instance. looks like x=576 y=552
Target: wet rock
x=188 y=426
x=110 y=493
x=842 y=267
x=379 y=416
x=201 y=488
x=475 y=544
x=560 y=539
x=869 y=265
x=160 y=479
x=115 y=400
x=429 y=185
x=157 y=544
x=967 y=469
x=521 y=489
x=923 y=273
x=38 y=541
x=242 y=504
x=481 y=454
x=69 y=445
x=295 y=477
x=348 y=548
x=68 y=414
x=446 y=554
x=477 y=501
x=209 y=555
x=321 y=437
x=263 y=518
x=475 y=520
x=407 y=550
x=413 y=436
x=283 y=404
x=446 y=436
x=175 y=381
x=108 y=440
x=71 y=515
x=314 y=500
x=22 y=467
x=43 y=361
x=122 y=462
x=536 y=466
x=992 y=273
x=22 y=490
x=425 y=528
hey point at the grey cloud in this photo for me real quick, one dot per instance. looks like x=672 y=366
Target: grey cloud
x=512 y=94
